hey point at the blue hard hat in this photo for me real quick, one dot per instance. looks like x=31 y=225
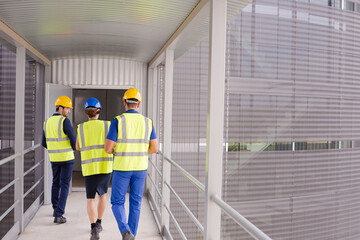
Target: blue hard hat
x=92 y=102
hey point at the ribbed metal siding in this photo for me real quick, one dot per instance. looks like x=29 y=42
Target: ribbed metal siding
x=100 y=72
x=293 y=81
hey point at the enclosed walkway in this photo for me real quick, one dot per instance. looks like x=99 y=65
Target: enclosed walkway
x=78 y=226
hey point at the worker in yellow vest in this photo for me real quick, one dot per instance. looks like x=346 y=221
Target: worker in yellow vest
x=59 y=139
x=96 y=164
x=131 y=138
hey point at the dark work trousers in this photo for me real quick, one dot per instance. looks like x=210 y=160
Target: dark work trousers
x=62 y=172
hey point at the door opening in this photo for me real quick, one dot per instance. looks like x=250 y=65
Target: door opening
x=112 y=105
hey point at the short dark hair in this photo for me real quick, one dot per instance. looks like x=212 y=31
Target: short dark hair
x=132 y=102
x=58 y=106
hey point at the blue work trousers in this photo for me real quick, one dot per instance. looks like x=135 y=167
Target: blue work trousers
x=120 y=182
x=62 y=172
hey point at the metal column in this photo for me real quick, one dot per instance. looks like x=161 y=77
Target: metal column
x=47 y=164
x=19 y=134
x=166 y=169
x=215 y=117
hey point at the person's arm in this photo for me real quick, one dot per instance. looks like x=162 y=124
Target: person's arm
x=153 y=146
x=110 y=146
x=111 y=138
x=43 y=142
x=77 y=145
x=153 y=143
x=69 y=131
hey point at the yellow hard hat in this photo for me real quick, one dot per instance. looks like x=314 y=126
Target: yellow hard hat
x=132 y=93
x=63 y=101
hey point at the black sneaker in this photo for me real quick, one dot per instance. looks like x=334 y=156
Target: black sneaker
x=60 y=220
x=127 y=235
x=99 y=227
x=94 y=234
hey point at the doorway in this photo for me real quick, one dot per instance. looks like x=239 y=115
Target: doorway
x=112 y=105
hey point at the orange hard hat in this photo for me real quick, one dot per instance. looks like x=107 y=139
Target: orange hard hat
x=132 y=93
x=63 y=101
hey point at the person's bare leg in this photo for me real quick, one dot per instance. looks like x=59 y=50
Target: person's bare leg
x=101 y=206
x=91 y=210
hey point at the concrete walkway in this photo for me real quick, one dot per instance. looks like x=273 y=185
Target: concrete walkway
x=77 y=226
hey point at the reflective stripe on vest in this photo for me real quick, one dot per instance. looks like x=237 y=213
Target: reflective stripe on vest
x=131 y=151
x=94 y=159
x=58 y=143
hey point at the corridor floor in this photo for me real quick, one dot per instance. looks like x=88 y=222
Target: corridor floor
x=77 y=226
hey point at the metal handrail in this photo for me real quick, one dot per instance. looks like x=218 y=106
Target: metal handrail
x=155 y=208
x=9 y=185
x=236 y=216
x=15 y=155
x=156 y=187
x=192 y=179
x=239 y=219
x=32 y=168
x=32 y=148
x=176 y=223
x=9 y=210
x=37 y=183
x=8 y=159
x=187 y=210
x=157 y=170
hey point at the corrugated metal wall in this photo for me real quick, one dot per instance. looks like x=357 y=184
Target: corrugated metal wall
x=100 y=72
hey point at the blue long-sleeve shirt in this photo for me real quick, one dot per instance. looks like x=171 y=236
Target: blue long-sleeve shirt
x=68 y=130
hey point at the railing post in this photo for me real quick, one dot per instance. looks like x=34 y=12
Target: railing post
x=19 y=134
x=152 y=113
x=215 y=117
x=47 y=164
x=166 y=167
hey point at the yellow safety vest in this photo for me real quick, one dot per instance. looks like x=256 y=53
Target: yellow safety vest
x=58 y=143
x=131 y=151
x=91 y=137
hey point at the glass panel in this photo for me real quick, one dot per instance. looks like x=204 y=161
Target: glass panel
x=34 y=112
x=7 y=132
x=189 y=125
x=292 y=119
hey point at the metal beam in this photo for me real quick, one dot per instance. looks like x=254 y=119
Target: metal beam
x=215 y=117
x=12 y=37
x=179 y=31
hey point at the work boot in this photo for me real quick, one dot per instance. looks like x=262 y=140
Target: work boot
x=99 y=227
x=60 y=220
x=94 y=234
x=127 y=235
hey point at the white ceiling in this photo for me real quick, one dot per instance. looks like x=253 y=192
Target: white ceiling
x=132 y=29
